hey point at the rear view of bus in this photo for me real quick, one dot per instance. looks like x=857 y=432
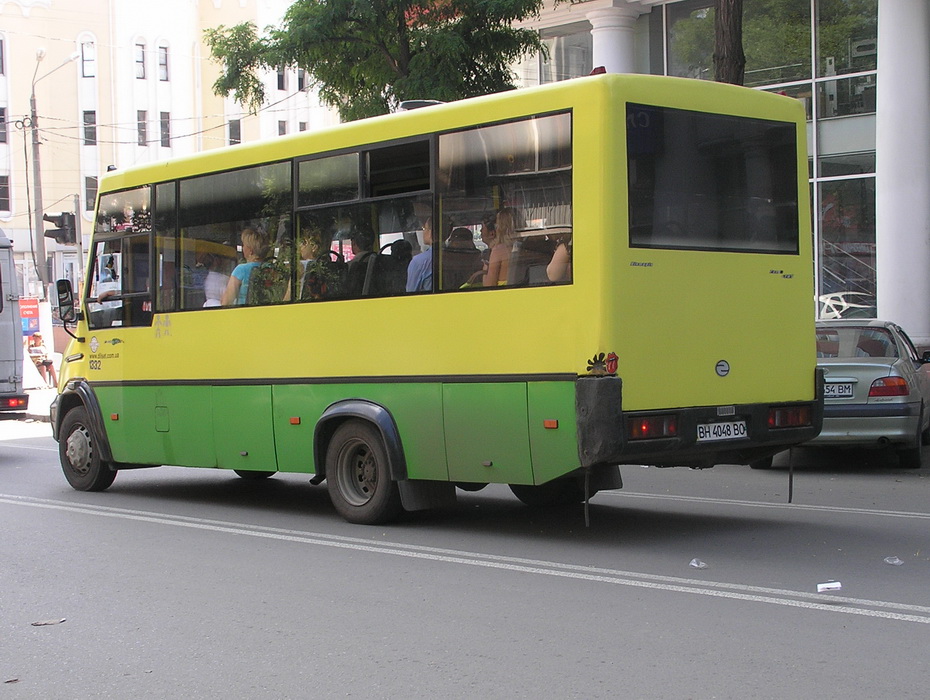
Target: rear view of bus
x=712 y=298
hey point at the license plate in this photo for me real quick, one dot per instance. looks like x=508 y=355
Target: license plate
x=837 y=390
x=706 y=432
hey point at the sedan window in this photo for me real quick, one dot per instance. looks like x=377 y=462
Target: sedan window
x=856 y=341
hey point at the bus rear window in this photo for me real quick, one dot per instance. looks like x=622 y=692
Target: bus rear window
x=711 y=182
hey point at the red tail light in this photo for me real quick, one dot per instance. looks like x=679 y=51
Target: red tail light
x=789 y=416
x=14 y=402
x=889 y=386
x=651 y=427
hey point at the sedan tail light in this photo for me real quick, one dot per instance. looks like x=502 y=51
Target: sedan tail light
x=889 y=386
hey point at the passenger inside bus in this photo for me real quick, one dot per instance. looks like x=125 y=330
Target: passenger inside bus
x=507 y=224
x=559 y=268
x=461 y=258
x=420 y=270
x=359 y=268
x=255 y=251
x=216 y=279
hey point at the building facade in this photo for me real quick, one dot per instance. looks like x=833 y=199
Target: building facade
x=132 y=83
x=114 y=84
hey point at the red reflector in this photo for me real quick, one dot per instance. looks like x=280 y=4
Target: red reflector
x=550 y=424
x=789 y=417
x=295 y=420
x=889 y=386
x=651 y=427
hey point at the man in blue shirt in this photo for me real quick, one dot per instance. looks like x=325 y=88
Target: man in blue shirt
x=420 y=269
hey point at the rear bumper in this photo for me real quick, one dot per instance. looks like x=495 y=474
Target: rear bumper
x=13 y=406
x=865 y=425
x=603 y=430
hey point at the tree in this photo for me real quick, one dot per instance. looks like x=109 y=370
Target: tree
x=365 y=56
x=729 y=59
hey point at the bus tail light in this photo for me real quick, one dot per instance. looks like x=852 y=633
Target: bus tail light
x=789 y=417
x=651 y=427
x=889 y=386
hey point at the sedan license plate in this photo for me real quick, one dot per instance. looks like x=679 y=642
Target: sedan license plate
x=837 y=390
x=707 y=432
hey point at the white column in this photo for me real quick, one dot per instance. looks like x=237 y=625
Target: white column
x=612 y=36
x=903 y=166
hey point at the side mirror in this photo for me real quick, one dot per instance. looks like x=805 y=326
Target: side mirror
x=66 y=311
x=925 y=358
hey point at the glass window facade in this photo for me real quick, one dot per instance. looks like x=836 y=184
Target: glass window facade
x=823 y=53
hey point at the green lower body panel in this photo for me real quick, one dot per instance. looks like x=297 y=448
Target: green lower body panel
x=479 y=432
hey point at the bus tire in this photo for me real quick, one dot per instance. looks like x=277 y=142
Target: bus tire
x=558 y=492
x=253 y=475
x=358 y=476
x=80 y=455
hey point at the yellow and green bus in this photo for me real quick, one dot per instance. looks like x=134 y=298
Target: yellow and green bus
x=529 y=288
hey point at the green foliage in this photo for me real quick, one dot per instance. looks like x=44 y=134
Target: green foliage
x=365 y=56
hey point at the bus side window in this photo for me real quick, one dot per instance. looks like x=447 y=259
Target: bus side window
x=519 y=175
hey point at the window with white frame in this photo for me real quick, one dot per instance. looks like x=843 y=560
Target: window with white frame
x=88 y=59
x=90 y=127
x=165 y=124
x=139 y=57
x=163 y=63
x=142 y=127
x=4 y=193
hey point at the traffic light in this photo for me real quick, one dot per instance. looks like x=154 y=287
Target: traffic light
x=64 y=231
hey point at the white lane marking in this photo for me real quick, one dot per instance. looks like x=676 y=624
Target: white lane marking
x=772 y=596
x=5 y=444
x=762 y=504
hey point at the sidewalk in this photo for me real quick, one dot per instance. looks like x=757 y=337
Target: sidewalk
x=39 y=402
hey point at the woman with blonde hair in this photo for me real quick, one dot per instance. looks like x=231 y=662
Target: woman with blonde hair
x=508 y=223
x=255 y=247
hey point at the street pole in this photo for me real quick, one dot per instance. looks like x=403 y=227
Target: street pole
x=39 y=229
x=39 y=232
x=80 y=243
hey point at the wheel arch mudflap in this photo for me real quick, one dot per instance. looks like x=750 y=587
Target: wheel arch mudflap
x=79 y=392
x=415 y=494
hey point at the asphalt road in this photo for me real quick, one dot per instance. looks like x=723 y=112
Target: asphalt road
x=182 y=583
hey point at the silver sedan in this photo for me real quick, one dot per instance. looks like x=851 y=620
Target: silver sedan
x=877 y=388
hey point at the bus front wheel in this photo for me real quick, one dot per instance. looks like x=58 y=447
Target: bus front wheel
x=80 y=454
x=358 y=475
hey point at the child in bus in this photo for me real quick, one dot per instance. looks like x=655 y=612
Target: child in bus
x=254 y=249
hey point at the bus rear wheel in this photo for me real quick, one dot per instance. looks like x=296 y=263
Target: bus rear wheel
x=358 y=475
x=80 y=455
